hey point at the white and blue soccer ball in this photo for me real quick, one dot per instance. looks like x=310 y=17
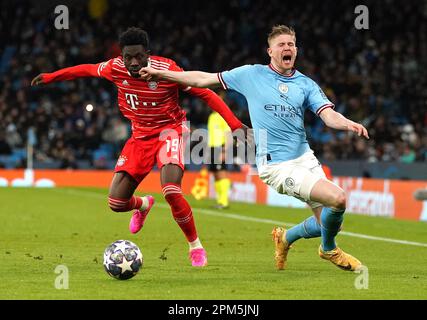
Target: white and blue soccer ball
x=122 y=259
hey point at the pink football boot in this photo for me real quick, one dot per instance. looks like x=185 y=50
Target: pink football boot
x=199 y=257
x=138 y=217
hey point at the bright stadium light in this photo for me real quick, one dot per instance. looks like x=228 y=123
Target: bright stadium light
x=89 y=108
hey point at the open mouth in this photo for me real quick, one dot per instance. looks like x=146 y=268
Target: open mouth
x=287 y=58
x=134 y=73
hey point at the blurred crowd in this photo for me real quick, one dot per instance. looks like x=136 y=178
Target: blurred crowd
x=373 y=76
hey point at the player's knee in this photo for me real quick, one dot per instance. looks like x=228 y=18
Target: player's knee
x=340 y=200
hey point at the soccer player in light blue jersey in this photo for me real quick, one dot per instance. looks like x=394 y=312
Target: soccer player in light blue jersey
x=277 y=96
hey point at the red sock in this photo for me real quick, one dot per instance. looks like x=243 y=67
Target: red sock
x=123 y=205
x=181 y=210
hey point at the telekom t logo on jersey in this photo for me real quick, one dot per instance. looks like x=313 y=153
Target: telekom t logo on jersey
x=132 y=100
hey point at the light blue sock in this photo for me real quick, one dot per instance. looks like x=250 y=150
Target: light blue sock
x=331 y=223
x=307 y=229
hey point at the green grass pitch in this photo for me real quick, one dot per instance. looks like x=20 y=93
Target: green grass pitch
x=43 y=228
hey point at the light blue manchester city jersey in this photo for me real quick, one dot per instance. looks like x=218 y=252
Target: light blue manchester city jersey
x=276 y=107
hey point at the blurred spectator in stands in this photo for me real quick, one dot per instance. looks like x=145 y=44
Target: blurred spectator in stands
x=116 y=133
x=408 y=154
x=5 y=148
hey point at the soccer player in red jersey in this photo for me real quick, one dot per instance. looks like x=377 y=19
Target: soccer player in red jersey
x=157 y=128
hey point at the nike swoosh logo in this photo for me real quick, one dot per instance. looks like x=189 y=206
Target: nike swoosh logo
x=348 y=267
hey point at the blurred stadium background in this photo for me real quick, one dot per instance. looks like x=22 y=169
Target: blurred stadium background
x=374 y=76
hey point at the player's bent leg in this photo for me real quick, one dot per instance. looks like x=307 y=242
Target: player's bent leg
x=308 y=229
x=333 y=197
x=295 y=181
x=328 y=194
x=331 y=219
x=123 y=185
x=171 y=177
x=121 y=199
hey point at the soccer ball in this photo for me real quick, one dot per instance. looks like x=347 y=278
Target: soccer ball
x=122 y=259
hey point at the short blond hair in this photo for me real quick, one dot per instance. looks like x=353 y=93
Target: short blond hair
x=279 y=29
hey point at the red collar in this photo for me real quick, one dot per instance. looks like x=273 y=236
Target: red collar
x=283 y=75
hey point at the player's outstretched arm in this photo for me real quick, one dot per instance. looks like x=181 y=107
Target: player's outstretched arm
x=197 y=79
x=217 y=104
x=337 y=121
x=80 y=71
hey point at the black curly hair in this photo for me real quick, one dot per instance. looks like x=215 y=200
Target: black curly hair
x=134 y=36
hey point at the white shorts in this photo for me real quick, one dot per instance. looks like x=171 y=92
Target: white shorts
x=295 y=178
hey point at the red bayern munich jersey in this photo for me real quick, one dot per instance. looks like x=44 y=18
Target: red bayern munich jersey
x=150 y=106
